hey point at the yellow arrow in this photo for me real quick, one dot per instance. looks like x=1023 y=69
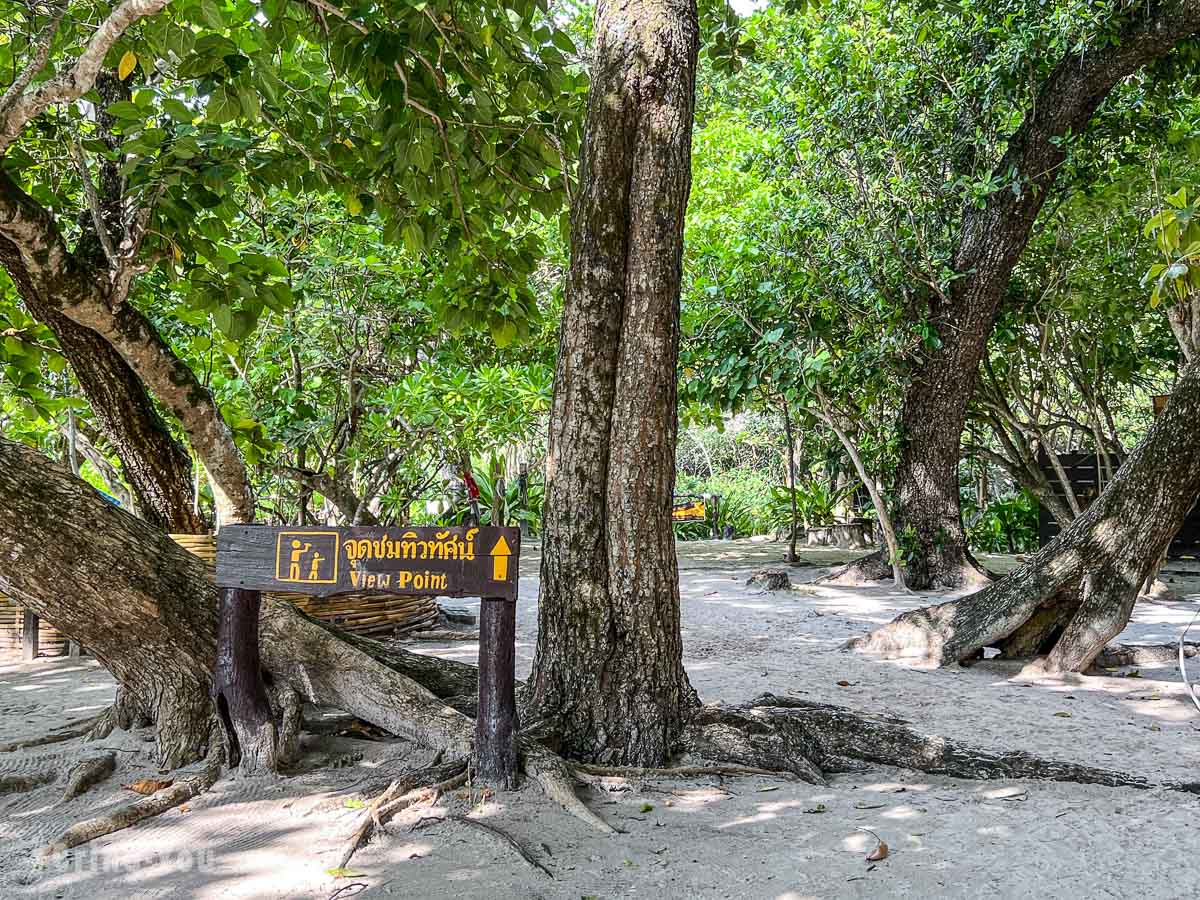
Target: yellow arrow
x=500 y=554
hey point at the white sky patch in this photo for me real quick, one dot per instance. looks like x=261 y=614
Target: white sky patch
x=745 y=7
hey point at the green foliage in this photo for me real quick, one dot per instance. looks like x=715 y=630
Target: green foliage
x=1008 y=525
x=1176 y=232
x=745 y=504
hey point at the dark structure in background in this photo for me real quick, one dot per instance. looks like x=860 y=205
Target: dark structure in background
x=1088 y=475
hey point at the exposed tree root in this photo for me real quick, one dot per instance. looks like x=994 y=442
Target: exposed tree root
x=168 y=798
x=22 y=784
x=875 y=567
x=1115 y=655
x=68 y=732
x=553 y=774
x=89 y=772
x=837 y=734
x=586 y=772
x=864 y=570
x=442 y=634
x=358 y=676
x=406 y=787
x=746 y=738
x=505 y=838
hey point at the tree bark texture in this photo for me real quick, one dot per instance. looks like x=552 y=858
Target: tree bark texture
x=1077 y=593
x=991 y=240
x=148 y=611
x=608 y=670
x=97 y=299
x=156 y=467
x=238 y=690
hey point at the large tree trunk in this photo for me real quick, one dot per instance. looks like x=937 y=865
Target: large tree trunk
x=156 y=467
x=1077 y=593
x=148 y=611
x=991 y=241
x=97 y=299
x=608 y=669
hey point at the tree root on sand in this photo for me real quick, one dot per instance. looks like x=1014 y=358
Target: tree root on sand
x=22 y=784
x=587 y=773
x=400 y=794
x=88 y=772
x=837 y=734
x=168 y=798
x=505 y=838
x=67 y=732
x=1116 y=655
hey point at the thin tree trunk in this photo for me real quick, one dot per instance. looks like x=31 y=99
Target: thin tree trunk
x=790 y=437
x=608 y=670
x=885 y=519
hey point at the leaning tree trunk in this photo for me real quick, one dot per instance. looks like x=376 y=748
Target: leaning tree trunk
x=609 y=669
x=148 y=610
x=96 y=298
x=157 y=468
x=991 y=240
x=1077 y=593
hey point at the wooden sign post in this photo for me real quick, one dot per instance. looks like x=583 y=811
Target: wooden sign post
x=447 y=562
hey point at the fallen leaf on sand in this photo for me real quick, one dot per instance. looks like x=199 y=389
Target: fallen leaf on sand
x=843 y=684
x=342 y=873
x=148 y=786
x=1063 y=715
x=880 y=852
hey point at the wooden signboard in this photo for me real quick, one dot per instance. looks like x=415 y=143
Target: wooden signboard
x=444 y=562
x=689 y=509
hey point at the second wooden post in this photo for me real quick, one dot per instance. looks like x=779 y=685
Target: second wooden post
x=496 y=720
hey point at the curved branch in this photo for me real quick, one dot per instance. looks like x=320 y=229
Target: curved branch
x=75 y=81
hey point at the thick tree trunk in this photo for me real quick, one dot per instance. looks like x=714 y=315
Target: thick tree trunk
x=147 y=610
x=991 y=241
x=156 y=467
x=1077 y=593
x=608 y=671
x=97 y=299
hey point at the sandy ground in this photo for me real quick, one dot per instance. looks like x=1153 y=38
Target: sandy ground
x=710 y=838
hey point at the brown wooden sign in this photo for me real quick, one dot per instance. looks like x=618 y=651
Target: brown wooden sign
x=446 y=562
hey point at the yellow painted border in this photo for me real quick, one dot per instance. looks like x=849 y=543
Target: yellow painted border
x=337 y=548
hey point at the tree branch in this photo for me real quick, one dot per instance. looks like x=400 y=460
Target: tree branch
x=75 y=81
x=40 y=49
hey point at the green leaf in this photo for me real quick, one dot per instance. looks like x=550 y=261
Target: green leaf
x=337 y=872
x=123 y=109
x=504 y=334
x=223 y=106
